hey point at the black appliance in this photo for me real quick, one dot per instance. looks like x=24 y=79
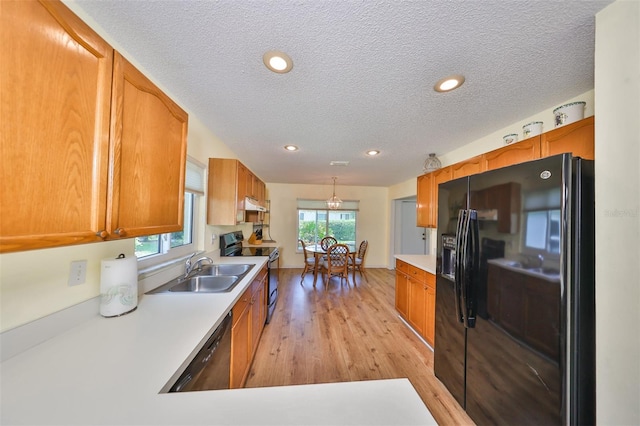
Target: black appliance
x=211 y=367
x=515 y=324
x=231 y=245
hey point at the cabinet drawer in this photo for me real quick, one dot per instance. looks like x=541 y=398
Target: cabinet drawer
x=242 y=304
x=430 y=280
x=402 y=266
x=417 y=273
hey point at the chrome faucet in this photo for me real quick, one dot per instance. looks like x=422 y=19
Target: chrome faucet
x=189 y=267
x=541 y=259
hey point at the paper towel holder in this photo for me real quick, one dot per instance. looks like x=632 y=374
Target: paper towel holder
x=118 y=286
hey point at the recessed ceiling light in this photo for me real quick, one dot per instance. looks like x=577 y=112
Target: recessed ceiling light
x=291 y=147
x=373 y=152
x=277 y=61
x=449 y=83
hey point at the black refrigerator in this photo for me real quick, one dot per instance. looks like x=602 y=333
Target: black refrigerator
x=515 y=307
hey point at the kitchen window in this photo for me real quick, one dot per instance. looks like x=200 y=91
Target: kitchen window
x=155 y=249
x=315 y=222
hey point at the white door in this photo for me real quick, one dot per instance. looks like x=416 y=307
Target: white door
x=412 y=238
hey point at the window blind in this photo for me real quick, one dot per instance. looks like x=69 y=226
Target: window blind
x=194 y=177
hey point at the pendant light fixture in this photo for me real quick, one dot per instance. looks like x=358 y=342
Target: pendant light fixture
x=432 y=163
x=334 y=202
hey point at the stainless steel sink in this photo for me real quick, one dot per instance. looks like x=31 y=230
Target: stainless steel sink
x=207 y=284
x=215 y=278
x=225 y=269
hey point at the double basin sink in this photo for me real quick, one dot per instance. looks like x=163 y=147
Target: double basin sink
x=216 y=278
x=550 y=274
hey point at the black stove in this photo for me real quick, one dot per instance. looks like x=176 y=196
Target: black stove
x=231 y=245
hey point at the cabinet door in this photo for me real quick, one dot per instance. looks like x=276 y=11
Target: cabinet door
x=430 y=309
x=240 y=348
x=258 y=313
x=54 y=127
x=243 y=184
x=468 y=167
x=402 y=293
x=439 y=176
x=148 y=153
x=424 y=217
x=576 y=138
x=417 y=296
x=527 y=150
x=222 y=191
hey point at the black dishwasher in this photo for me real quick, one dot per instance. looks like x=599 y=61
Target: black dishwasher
x=210 y=368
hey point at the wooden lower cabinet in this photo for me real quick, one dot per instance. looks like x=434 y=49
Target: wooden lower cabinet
x=416 y=299
x=249 y=315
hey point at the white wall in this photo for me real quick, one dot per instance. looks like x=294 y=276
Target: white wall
x=372 y=221
x=617 y=88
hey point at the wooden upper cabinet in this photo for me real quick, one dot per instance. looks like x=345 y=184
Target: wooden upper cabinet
x=225 y=197
x=424 y=209
x=439 y=176
x=520 y=152
x=148 y=153
x=230 y=182
x=91 y=149
x=54 y=127
x=468 y=167
x=576 y=138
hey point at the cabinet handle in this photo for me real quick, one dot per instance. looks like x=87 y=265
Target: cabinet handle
x=121 y=232
x=102 y=234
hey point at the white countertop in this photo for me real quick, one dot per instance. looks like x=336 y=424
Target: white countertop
x=422 y=261
x=111 y=370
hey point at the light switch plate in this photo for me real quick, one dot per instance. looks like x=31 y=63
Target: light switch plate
x=77 y=272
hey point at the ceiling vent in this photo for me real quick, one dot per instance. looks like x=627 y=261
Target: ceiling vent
x=339 y=163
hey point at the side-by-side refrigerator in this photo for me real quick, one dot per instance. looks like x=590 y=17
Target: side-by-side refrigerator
x=515 y=307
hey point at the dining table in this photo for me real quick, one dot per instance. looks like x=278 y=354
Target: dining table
x=318 y=252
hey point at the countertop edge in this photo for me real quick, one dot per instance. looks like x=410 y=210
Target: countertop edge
x=422 y=261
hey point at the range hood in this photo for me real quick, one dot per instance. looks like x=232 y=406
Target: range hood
x=252 y=205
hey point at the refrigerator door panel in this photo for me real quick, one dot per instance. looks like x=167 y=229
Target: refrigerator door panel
x=514 y=366
x=450 y=334
x=449 y=356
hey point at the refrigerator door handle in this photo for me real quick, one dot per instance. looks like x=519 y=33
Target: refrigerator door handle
x=466 y=272
x=458 y=265
x=472 y=263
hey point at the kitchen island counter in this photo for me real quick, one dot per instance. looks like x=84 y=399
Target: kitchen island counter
x=112 y=370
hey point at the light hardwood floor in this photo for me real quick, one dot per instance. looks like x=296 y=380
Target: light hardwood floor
x=337 y=332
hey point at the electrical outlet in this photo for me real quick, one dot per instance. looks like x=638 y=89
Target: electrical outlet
x=213 y=238
x=77 y=272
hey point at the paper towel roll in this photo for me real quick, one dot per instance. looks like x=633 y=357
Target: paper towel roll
x=118 y=286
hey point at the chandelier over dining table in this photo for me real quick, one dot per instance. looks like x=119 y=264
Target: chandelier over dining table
x=334 y=202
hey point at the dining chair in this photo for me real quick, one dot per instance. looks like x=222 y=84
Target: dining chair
x=336 y=263
x=359 y=261
x=327 y=242
x=309 y=260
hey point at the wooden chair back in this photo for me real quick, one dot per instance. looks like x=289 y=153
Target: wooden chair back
x=327 y=242
x=337 y=262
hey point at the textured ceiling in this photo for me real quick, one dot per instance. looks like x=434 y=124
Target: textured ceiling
x=362 y=77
